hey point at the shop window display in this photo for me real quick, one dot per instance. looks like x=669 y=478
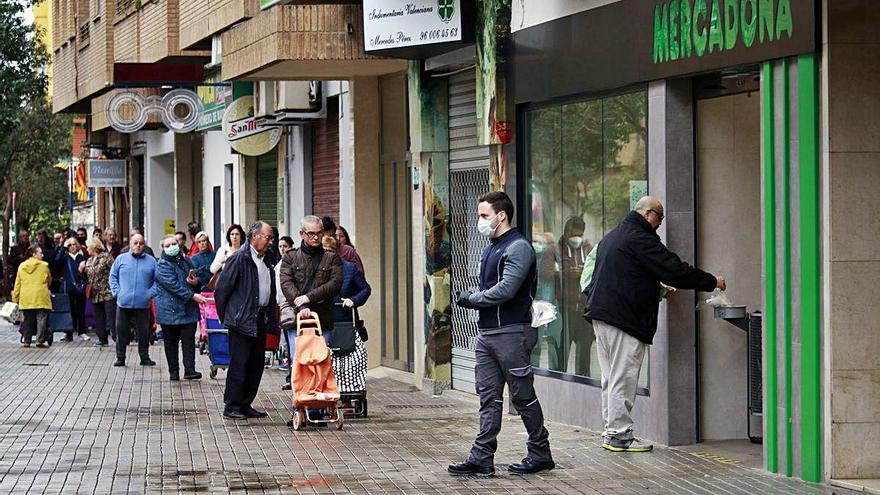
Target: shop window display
x=587 y=164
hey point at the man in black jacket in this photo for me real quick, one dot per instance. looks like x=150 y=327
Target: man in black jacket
x=622 y=302
x=245 y=297
x=508 y=282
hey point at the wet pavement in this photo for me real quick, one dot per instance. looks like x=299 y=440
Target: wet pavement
x=72 y=423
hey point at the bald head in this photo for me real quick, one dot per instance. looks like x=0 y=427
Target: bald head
x=651 y=208
x=136 y=244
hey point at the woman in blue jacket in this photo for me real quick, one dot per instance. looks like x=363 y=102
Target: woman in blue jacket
x=354 y=292
x=175 y=295
x=71 y=259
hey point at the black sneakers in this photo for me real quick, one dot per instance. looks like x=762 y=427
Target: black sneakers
x=119 y=362
x=469 y=468
x=253 y=413
x=233 y=414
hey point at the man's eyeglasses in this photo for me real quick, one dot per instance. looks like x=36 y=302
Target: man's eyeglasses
x=312 y=234
x=268 y=237
x=659 y=215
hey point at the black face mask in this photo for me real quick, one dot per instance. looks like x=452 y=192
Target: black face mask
x=82 y=240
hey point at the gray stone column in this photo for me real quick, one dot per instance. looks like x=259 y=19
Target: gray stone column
x=671 y=180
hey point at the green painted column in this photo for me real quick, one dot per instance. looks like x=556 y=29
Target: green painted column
x=810 y=268
x=786 y=266
x=769 y=152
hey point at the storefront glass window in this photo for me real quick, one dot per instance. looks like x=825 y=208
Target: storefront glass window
x=587 y=165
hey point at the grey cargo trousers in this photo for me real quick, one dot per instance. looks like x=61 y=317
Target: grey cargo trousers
x=506 y=358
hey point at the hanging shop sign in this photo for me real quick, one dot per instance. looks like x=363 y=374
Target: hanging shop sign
x=213 y=98
x=663 y=39
x=402 y=24
x=107 y=173
x=179 y=110
x=242 y=131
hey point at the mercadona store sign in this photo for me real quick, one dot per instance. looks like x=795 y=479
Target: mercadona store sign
x=683 y=29
x=662 y=39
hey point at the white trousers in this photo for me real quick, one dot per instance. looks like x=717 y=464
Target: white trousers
x=620 y=359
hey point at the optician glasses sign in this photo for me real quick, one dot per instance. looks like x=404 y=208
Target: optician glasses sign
x=180 y=110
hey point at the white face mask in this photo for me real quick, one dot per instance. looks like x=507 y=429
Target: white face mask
x=484 y=226
x=575 y=241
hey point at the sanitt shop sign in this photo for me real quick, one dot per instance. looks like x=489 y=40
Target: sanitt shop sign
x=242 y=132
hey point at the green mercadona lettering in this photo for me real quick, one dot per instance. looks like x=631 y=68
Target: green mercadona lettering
x=684 y=28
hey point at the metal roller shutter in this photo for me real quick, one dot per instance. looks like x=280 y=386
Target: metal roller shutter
x=325 y=162
x=468 y=180
x=267 y=188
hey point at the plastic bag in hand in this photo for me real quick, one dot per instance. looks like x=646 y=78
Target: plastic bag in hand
x=543 y=313
x=717 y=299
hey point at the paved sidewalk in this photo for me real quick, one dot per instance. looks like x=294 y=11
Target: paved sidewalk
x=71 y=423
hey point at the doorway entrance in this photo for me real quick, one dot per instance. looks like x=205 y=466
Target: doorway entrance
x=728 y=161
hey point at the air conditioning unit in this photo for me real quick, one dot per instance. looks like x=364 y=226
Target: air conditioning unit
x=264 y=99
x=297 y=101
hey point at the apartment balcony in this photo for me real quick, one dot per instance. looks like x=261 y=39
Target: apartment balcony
x=302 y=42
x=201 y=19
x=82 y=58
x=148 y=31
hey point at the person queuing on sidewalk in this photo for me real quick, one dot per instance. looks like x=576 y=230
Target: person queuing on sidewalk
x=17 y=255
x=202 y=260
x=344 y=251
x=508 y=282
x=310 y=278
x=285 y=244
x=31 y=292
x=234 y=238
x=114 y=246
x=354 y=291
x=71 y=259
x=181 y=241
x=97 y=273
x=82 y=236
x=138 y=232
x=131 y=280
x=177 y=299
x=623 y=293
x=98 y=233
x=50 y=249
x=245 y=297
x=194 y=229
x=56 y=268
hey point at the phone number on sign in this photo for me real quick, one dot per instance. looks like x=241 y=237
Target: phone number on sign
x=438 y=34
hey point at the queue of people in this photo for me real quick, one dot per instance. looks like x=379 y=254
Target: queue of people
x=620 y=282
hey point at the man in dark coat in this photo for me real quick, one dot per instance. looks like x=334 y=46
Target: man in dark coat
x=622 y=302
x=245 y=297
x=17 y=255
x=310 y=278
